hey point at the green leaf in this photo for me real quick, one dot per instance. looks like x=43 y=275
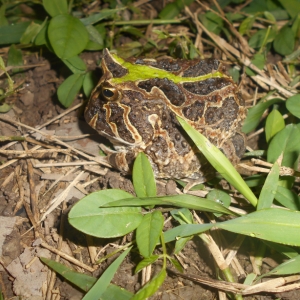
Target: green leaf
x=89 y=83
x=284 y=42
x=291 y=266
x=56 y=7
x=116 y=293
x=219 y=197
x=187 y=201
x=14 y=57
x=271 y=224
x=287 y=141
x=255 y=113
x=293 y=105
x=171 y=10
x=11 y=34
x=262 y=37
x=148 y=232
x=42 y=38
x=103 y=282
x=246 y=25
x=30 y=33
x=185 y=231
x=268 y=191
x=96 y=37
x=219 y=161
x=143 y=177
x=68 y=90
x=182 y=215
x=282 y=249
x=105 y=13
x=291 y=6
x=3 y=20
x=274 y=124
x=88 y=217
x=259 y=61
x=83 y=281
x=176 y=264
x=181 y=243
x=150 y=287
x=288 y=198
x=67 y=35
x=75 y=64
x=5 y=108
x=146 y=262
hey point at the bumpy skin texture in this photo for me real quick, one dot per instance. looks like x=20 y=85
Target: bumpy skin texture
x=136 y=102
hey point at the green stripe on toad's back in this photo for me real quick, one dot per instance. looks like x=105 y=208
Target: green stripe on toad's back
x=142 y=72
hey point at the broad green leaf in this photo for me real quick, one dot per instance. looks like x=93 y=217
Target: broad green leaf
x=271 y=224
x=287 y=141
x=288 y=198
x=89 y=83
x=262 y=37
x=284 y=41
x=82 y=281
x=219 y=161
x=259 y=61
x=282 y=249
x=185 y=231
x=30 y=33
x=88 y=217
x=103 y=282
x=187 y=201
x=148 y=232
x=3 y=20
x=146 y=262
x=68 y=90
x=151 y=287
x=270 y=16
x=293 y=105
x=219 y=197
x=172 y=10
x=14 y=57
x=96 y=37
x=291 y=266
x=212 y=22
x=11 y=34
x=116 y=293
x=75 y=64
x=274 y=124
x=143 y=177
x=268 y=191
x=105 y=13
x=56 y=7
x=5 y=108
x=255 y=113
x=246 y=25
x=291 y=6
x=67 y=35
x=42 y=38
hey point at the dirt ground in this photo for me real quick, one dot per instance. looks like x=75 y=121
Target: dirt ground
x=29 y=182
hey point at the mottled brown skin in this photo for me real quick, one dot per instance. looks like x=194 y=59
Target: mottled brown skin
x=140 y=116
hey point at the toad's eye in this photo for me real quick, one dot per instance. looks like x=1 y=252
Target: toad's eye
x=107 y=93
x=110 y=93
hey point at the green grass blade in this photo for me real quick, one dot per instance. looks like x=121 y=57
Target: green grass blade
x=219 y=161
x=103 y=282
